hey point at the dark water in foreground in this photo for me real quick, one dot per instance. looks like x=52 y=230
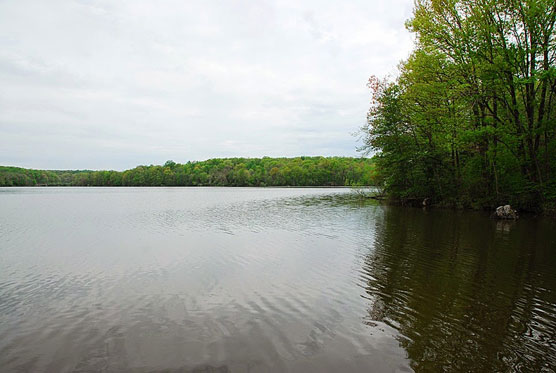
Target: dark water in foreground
x=223 y=279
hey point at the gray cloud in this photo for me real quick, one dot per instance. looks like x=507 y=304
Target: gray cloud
x=113 y=84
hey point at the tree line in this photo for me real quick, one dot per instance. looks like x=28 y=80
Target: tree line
x=300 y=171
x=470 y=120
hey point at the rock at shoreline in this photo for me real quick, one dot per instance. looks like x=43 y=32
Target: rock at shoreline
x=505 y=212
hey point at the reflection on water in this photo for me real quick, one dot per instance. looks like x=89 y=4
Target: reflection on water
x=248 y=279
x=466 y=293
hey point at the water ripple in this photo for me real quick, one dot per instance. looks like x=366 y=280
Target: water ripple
x=147 y=279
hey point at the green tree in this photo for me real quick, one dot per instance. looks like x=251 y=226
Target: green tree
x=470 y=120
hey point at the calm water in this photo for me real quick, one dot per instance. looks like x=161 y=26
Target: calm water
x=247 y=279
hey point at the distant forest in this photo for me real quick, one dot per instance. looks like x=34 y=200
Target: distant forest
x=300 y=171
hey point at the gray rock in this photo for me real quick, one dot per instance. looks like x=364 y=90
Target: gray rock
x=505 y=212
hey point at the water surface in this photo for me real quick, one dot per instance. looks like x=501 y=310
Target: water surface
x=249 y=279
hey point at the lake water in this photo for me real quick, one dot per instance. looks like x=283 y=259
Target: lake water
x=249 y=279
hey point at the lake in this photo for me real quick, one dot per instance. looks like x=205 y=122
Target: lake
x=268 y=279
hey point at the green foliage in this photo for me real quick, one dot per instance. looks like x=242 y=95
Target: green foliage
x=15 y=176
x=471 y=119
x=300 y=171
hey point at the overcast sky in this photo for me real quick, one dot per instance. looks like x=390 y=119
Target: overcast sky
x=114 y=84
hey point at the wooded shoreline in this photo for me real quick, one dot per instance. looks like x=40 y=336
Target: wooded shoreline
x=470 y=118
x=260 y=172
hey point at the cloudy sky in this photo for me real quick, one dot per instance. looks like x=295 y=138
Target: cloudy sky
x=113 y=84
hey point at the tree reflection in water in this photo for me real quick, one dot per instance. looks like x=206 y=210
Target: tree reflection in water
x=467 y=293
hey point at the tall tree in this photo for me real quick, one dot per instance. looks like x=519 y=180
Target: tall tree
x=477 y=98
